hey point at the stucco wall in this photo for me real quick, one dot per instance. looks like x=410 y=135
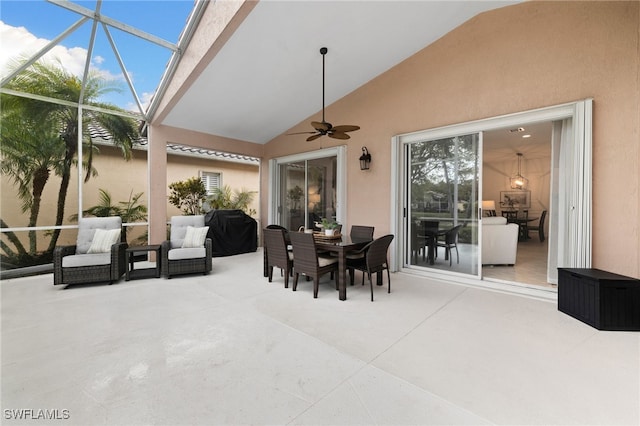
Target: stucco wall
x=119 y=178
x=516 y=58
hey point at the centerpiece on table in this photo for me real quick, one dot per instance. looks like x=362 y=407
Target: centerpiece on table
x=330 y=227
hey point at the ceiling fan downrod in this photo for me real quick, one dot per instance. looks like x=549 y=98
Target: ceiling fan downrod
x=323 y=51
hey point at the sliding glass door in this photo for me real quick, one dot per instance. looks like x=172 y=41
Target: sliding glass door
x=442 y=194
x=306 y=190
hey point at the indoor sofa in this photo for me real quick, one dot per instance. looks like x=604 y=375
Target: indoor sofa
x=499 y=241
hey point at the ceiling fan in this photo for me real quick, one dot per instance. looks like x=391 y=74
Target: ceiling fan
x=322 y=127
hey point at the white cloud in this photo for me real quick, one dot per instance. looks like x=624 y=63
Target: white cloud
x=145 y=100
x=19 y=44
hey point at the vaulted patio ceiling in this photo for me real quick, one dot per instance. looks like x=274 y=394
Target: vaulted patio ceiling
x=268 y=77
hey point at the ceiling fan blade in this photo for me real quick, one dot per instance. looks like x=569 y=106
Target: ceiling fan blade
x=321 y=126
x=314 y=137
x=346 y=128
x=339 y=135
x=300 y=133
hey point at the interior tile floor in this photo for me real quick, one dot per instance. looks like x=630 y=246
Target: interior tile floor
x=230 y=348
x=530 y=267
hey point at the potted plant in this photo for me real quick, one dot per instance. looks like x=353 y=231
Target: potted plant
x=329 y=226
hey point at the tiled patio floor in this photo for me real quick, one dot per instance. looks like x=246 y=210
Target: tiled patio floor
x=230 y=348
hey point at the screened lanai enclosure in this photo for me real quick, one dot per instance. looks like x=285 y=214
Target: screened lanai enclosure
x=76 y=94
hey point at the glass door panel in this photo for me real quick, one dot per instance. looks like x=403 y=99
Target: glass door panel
x=442 y=193
x=307 y=192
x=321 y=190
x=292 y=203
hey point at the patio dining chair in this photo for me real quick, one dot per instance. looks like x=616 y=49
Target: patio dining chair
x=374 y=261
x=277 y=255
x=450 y=241
x=308 y=262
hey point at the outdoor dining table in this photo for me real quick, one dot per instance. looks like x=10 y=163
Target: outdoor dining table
x=341 y=246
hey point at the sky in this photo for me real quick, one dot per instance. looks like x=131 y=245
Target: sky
x=28 y=25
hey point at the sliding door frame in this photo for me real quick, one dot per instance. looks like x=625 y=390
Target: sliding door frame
x=341 y=179
x=579 y=112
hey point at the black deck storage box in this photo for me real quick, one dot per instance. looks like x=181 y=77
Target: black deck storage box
x=601 y=299
x=231 y=232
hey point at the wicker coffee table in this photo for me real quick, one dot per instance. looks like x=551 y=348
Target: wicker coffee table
x=133 y=273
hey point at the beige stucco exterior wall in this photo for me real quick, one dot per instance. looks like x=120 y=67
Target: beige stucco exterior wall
x=236 y=175
x=516 y=58
x=120 y=178
x=160 y=176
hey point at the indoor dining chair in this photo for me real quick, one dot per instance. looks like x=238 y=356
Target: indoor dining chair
x=540 y=227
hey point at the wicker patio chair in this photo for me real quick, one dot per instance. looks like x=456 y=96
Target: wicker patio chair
x=275 y=246
x=450 y=241
x=98 y=256
x=375 y=260
x=179 y=258
x=307 y=261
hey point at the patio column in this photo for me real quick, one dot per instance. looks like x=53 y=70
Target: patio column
x=157 y=163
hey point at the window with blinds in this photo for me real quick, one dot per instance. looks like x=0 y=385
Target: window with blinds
x=211 y=181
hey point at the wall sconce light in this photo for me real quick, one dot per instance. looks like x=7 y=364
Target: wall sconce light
x=365 y=159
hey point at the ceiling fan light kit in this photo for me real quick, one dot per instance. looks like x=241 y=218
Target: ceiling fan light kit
x=323 y=127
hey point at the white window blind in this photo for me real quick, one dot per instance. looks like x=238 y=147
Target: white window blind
x=211 y=181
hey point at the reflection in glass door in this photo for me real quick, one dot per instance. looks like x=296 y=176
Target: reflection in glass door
x=442 y=193
x=307 y=192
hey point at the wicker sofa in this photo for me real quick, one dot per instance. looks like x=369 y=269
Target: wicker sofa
x=76 y=265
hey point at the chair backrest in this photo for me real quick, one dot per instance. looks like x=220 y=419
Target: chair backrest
x=510 y=214
x=430 y=226
x=87 y=228
x=276 y=246
x=542 y=218
x=361 y=233
x=179 y=226
x=304 y=252
x=451 y=237
x=377 y=253
x=286 y=231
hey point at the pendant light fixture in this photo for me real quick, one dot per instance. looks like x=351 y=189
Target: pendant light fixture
x=519 y=181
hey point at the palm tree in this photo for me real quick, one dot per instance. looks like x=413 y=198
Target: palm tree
x=31 y=151
x=129 y=211
x=54 y=82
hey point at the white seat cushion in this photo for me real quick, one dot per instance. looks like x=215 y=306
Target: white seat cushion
x=93 y=259
x=187 y=253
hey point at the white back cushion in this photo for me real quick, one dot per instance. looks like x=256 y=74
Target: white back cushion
x=195 y=237
x=87 y=228
x=494 y=220
x=179 y=226
x=103 y=240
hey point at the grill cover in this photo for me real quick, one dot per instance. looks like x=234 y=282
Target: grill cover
x=232 y=232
